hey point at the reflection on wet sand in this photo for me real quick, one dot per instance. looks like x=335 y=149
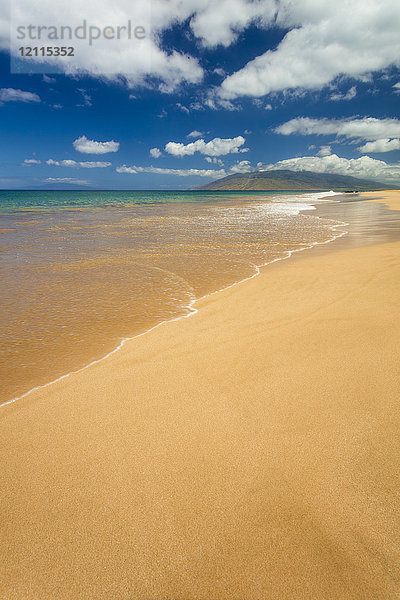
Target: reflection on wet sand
x=77 y=281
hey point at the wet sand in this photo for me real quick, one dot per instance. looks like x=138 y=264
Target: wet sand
x=77 y=280
x=248 y=452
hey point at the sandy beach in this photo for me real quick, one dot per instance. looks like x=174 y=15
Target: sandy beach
x=389 y=197
x=249 y=452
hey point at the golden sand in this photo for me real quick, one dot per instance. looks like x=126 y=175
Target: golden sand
x=390 y=198
x=248 y=452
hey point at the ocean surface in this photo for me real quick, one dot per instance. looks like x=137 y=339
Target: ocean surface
x=81 y=271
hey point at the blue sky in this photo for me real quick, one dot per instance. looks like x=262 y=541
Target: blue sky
x=214 y=89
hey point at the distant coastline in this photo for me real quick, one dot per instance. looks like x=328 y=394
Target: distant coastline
x=286 y=180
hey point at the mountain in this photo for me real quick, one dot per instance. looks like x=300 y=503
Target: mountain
x=292 y=180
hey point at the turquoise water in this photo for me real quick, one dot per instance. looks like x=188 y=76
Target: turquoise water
x=31 y=199
x=80 y=271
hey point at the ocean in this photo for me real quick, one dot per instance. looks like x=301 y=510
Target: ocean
x=81 y=271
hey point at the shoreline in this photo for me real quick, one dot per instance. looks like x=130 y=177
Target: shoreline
x=249 y=452
x=189 y=307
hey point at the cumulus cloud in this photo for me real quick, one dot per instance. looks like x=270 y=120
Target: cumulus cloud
x=179 y=172
x=367 y=128
x=13 y=95
x=242 y=166
x=384 y=145
x=135 y=59
x=325 y=40
x=219 y=23
x=75 y=164
x=364 y=167
x=155 y=152
x=85 y=146
x=215 y=147
x=32 y=161
x=324 y=151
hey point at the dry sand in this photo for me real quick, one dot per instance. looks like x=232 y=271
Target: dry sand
x=249 y=452
x=389 y=197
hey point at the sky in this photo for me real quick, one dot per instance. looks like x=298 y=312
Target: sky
x=172 y=94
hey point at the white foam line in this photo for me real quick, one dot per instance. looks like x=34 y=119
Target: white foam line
x=190 y=308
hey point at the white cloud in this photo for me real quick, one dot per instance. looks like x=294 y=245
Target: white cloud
x=85 y=146
x=383 y=145
x=220 y=72
x=86 y=99
x=70 y=180
x=155 y=152
x=260 y=104
x=219 y=23
x=32 y=161
x=397 y=87
x=364 y=167
x=75 y=164
x=352 y=93
x=214 y=161
x=194 y=134
x=12 y=95
x=183 y=108
x=367 y=128
x=215 y=103
x=215 y=147
x=197 y=106
x=134 y=59
x=325 y=40
x=242 y=167
x=324 y=151
x=179 y=172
